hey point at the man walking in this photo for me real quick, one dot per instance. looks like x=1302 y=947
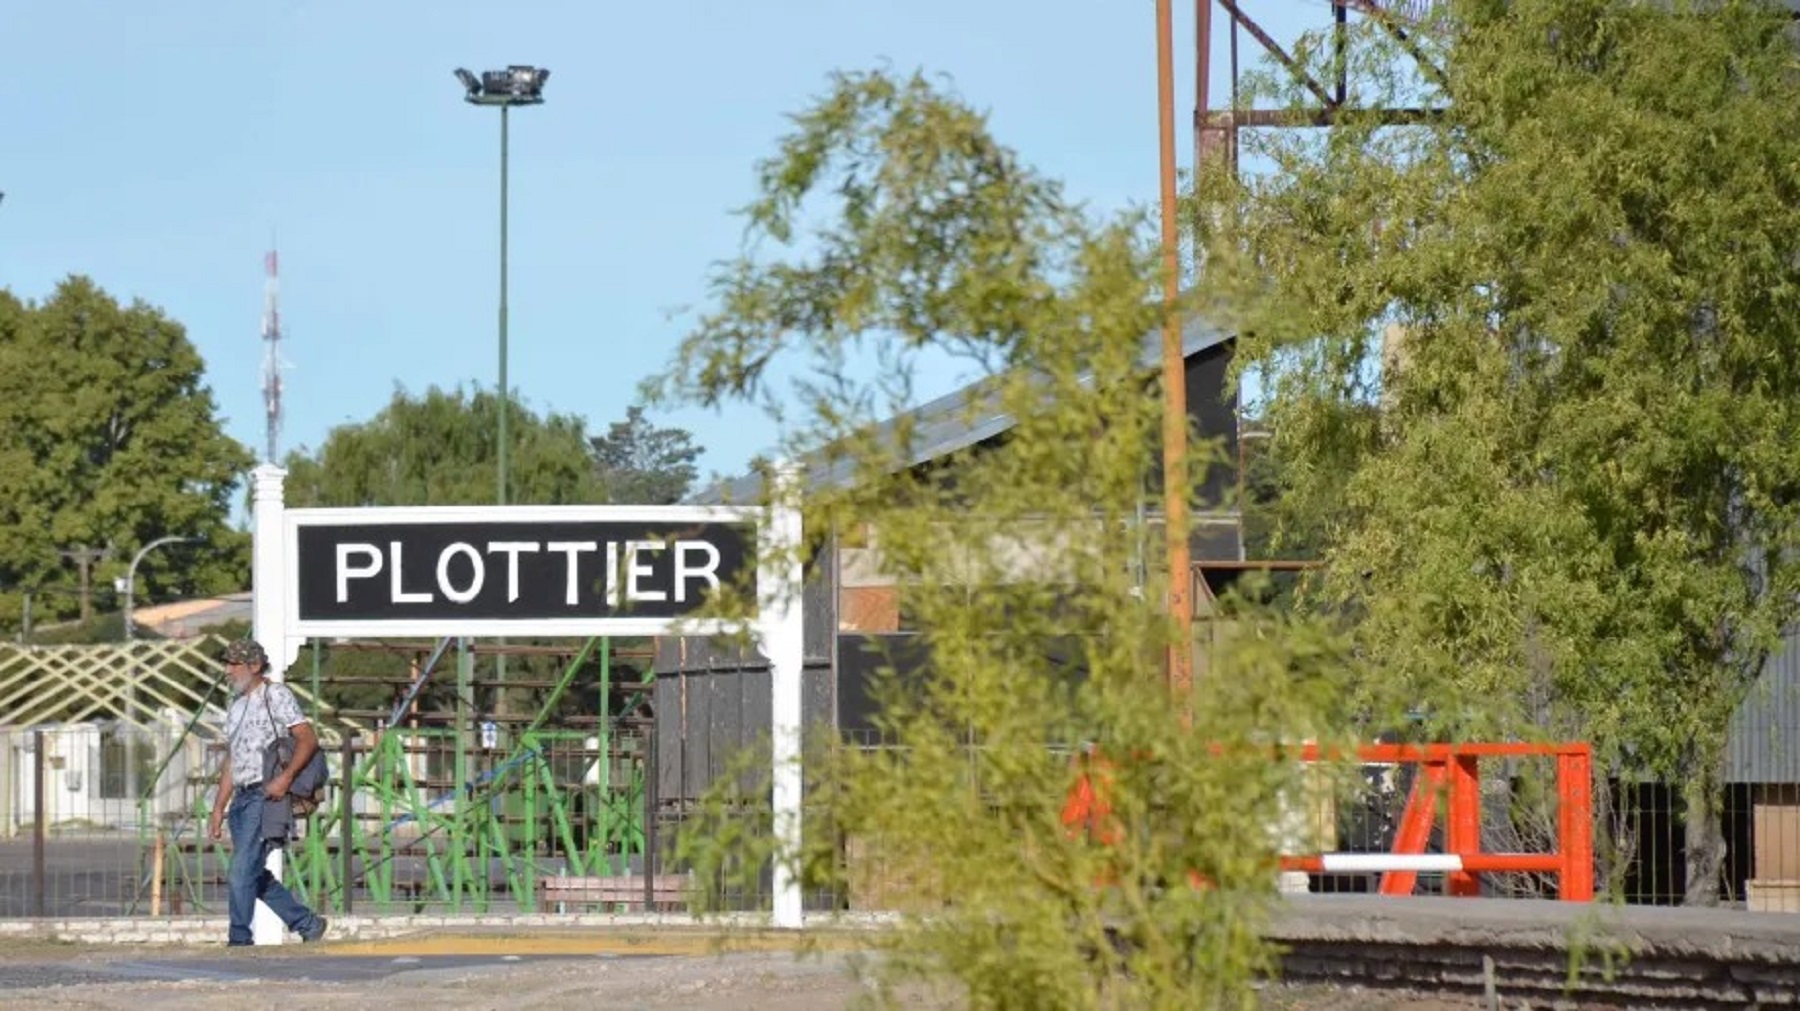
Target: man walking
x=262 y=711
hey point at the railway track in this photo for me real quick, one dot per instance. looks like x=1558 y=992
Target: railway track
x=1526 y=954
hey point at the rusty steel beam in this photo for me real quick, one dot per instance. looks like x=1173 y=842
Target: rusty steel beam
x=1386 y=19
x=1275 y=50
x=1228 y=119
x=1255 y=565
x=1209 y=144
x=1179 y=664
x=1340 y=45
x=1371 y=9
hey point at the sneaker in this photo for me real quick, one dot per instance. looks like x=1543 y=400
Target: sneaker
x=315 y=934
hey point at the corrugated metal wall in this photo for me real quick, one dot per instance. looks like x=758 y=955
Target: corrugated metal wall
x=712 y=699
x=1765 y=732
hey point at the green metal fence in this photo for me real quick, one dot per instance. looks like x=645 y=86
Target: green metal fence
x=432 y=807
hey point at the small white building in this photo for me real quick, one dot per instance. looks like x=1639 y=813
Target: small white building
x=88 y=781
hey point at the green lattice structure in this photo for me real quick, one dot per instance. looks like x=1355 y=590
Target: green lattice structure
x=480 y=829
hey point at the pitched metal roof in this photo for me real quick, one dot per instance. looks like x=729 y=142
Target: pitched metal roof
x=943 y=426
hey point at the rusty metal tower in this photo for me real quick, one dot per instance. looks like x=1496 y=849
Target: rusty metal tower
x=1216 y=127
x=1330 y=93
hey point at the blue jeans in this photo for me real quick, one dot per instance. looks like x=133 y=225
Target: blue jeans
x=249 y=878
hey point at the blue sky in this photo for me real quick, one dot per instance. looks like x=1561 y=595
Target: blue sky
x=156 y=146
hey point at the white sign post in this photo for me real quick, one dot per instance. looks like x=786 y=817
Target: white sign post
x=536 y=571
x=780 y=631
x=269 y=586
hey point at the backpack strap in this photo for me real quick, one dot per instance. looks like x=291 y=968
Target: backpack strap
x=280 y=731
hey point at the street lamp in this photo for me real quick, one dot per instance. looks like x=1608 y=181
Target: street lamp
x=131 y=575
x=516 y=85
x=131 y=752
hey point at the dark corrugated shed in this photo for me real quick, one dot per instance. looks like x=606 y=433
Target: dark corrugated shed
x=1765 y=732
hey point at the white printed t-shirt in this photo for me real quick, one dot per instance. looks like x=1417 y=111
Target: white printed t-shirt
x=248 y=729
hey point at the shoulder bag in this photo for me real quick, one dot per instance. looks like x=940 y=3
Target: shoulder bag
x=307 y=791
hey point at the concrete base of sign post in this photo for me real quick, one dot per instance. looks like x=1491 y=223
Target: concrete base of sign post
x=265 y=926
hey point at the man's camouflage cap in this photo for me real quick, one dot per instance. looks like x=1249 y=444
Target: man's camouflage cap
x=244 y=651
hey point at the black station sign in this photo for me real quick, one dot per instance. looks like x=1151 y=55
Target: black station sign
x=557 y=574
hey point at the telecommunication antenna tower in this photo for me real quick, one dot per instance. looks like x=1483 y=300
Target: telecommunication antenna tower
x=271 y=335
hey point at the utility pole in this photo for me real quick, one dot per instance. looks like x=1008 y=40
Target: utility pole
x=1179 y=668
x=84 y=558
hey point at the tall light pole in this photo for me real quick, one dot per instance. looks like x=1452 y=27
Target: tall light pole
x=131 y=752
x=516 y=85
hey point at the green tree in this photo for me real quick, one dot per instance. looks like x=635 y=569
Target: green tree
x=439 y=449
x=112 y=439
x=639 y=463
x=1578 y=509
x=934 y=238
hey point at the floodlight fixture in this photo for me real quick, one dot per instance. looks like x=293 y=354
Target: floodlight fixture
x=516 y=85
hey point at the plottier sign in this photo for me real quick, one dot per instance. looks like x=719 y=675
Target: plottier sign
x=553 y=570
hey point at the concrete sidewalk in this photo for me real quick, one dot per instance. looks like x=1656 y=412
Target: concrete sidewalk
x=1509 y=922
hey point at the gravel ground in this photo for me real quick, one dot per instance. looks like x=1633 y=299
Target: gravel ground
x=738 y=982
x=113 y=979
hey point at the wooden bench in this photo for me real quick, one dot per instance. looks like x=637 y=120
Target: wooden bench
x=618 y=890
